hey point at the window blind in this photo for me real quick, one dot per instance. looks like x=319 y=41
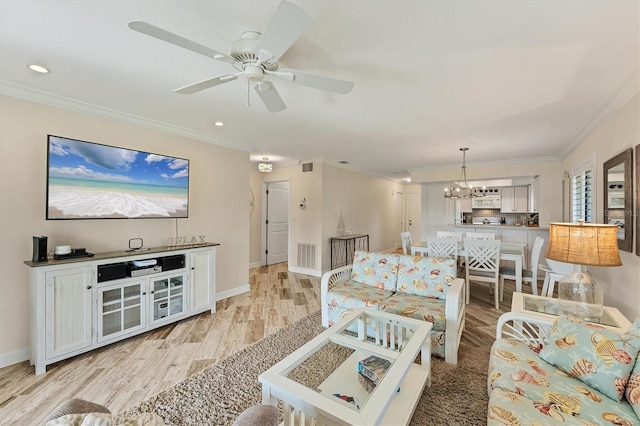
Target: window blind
x=581 y=196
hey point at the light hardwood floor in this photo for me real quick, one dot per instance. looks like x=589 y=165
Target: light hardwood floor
x=125 y=373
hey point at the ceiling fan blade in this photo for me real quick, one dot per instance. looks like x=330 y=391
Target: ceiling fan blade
x=270 y=96
x=205 y=84
x=286 y=26
x=316 y=81
x=177 y=40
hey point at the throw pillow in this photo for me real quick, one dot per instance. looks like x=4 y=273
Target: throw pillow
x=597 y=356
x=632 y=392
x=378 y=270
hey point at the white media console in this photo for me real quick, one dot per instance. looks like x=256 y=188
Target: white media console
x=81 y=304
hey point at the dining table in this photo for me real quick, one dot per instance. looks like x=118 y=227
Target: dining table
x=512 y=252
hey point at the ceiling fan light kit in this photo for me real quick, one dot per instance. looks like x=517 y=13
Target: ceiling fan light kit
x=255 y=55
x=265 y=166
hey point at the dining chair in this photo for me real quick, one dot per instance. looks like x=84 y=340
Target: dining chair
x=449 y=234
x=529 y=275
x=482 y=263
x=554 y=272
x=481 y=235
x=405 y=239
x=419 y=251
x=447 y=247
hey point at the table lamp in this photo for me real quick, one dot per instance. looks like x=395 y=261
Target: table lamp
x=582 y=244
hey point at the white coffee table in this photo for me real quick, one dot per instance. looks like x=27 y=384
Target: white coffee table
x=336 y=352
x=547 y=307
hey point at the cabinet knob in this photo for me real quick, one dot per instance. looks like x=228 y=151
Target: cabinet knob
x=88 y=287
x=152 y=291
x=144 y=293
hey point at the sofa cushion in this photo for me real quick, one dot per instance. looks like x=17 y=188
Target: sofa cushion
x=418 y=307
x=524 y=386
x=600 y=358
x=352 y=294
x=429 y=276
x=375 y=269
x=511 y=408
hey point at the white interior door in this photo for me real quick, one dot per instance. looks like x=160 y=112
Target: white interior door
x=413 y=216
x=277 y=222
x=399 y=217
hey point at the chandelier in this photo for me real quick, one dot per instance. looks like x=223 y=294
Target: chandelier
x=462 y=189
x=265 y=166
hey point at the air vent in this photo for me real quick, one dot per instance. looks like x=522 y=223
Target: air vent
x=307 y=167
x=307 y=255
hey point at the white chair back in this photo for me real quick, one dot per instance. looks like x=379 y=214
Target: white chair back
x=482 y=263
x=447 y=247
x=555 y=270
x=405 y=239
x=449 y=234
x=481 y=235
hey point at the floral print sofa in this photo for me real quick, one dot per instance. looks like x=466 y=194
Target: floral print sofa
x=419 y=287
x=570 y=373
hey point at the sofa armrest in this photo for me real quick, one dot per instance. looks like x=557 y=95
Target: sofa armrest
x=329 y=279
x=528 y=328
x=454 y=312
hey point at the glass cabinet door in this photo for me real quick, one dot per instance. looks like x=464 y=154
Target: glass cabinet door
x=168 y=297
x=121 y=310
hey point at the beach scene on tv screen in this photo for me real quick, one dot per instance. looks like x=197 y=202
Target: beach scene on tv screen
x=92 y=181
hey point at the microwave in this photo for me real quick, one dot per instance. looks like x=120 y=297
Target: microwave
x=489 y=202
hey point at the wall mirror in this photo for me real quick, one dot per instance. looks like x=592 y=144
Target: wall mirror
x=637 y=215
x=618 y=196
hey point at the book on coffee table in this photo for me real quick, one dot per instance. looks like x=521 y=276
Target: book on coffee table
x=374 y=368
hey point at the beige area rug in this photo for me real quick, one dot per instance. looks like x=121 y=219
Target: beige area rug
x=218 y=394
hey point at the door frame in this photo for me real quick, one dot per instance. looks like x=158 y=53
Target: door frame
x=263 y=218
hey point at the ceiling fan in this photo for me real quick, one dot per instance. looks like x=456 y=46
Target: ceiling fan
x=255 y=56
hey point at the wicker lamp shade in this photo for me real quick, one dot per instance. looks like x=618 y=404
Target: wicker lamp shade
x=584 y=244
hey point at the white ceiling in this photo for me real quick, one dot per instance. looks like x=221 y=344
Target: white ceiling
x=513 y=80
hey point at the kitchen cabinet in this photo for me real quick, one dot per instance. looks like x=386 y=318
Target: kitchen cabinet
x=465 y=205
x=534 y=196
x=80 y=304
x=515 y=199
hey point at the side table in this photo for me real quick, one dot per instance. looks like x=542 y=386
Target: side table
x=547 y=307
x=343 y=247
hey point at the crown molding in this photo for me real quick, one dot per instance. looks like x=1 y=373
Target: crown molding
x=628 y=89
x=49 y=99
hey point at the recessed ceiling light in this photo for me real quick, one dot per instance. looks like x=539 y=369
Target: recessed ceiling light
x=218 y=124
x=39 y=68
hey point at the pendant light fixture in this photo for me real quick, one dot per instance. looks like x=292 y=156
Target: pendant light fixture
x=265 y=166
x=462 y=189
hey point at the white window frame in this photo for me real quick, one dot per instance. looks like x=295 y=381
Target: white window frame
x=588 y=165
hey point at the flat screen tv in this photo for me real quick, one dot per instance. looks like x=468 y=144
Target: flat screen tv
x=86 y=180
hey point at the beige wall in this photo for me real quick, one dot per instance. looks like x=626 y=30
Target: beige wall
x=621 y=131
x=218 y=204
x=364 y=203
x=332 y=195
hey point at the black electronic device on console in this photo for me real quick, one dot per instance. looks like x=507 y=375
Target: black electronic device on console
x=75 y=253
x=39 y=249
x=112 y=271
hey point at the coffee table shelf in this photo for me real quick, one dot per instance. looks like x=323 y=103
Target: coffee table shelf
x=393 y=400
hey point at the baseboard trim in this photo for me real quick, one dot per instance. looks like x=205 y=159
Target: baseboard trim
x=306 y=271
x=255 y=265
x=14 y=357
x=233 y=292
